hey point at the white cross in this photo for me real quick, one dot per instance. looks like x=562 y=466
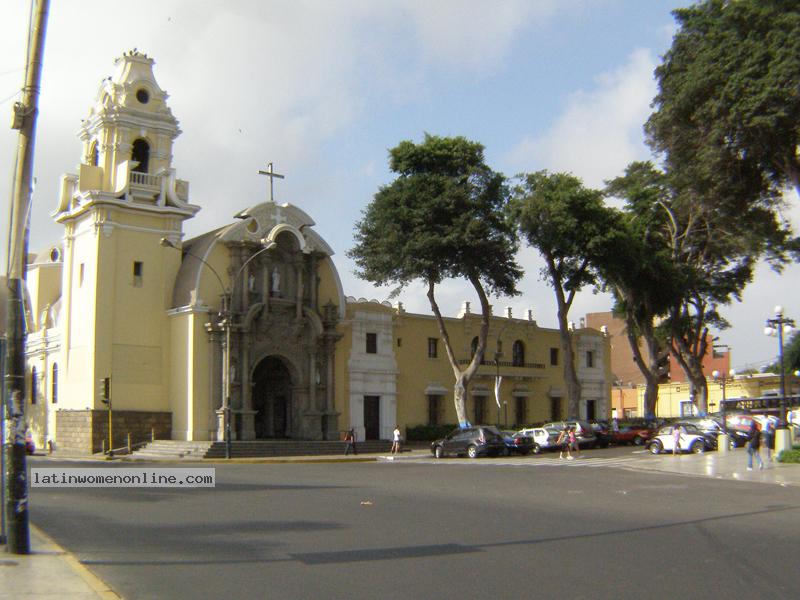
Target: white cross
x=269 y=173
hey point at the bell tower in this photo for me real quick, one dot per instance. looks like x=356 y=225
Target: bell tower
x=117 y=279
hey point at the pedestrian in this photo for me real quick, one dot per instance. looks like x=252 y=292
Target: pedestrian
x=573 y=441
x=396 y=440
x=676 y=440
x=754 y=446
x=768 y=435
x=563 y=443
x=350 y=438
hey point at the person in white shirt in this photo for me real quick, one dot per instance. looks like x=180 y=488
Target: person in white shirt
x=396 y=440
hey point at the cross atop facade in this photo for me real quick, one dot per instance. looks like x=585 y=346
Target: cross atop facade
x=272 y=175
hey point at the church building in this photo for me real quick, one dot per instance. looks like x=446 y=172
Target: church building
x=246 y=327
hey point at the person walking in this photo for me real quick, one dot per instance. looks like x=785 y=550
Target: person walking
x=676 y=440
x=573 y=442
x=563 y=443
x=350 y=438
x=769 y=438
x=754 y=446
x=396 y=440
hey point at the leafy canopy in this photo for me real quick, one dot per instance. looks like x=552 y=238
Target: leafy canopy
x=568 y=223
x=442 y=217
x=728 y=106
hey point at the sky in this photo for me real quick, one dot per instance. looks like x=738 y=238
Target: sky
x=323 y=88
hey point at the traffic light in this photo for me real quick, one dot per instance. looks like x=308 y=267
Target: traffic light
x=105 y=390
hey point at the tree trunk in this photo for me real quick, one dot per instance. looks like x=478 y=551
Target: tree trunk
x=462 y=378
x=570 y=373
x=649 y=368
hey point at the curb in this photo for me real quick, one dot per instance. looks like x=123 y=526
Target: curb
x=92 y=580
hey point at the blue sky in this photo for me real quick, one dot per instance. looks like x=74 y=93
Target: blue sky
x=324 y=88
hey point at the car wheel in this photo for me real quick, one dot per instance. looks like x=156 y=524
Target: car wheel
x=697 y=447
x=655 y=447
x=438 y=452
x=537 y=449
x=472 y=451
x=638 y=440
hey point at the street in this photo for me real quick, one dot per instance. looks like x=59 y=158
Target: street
x=428 y=529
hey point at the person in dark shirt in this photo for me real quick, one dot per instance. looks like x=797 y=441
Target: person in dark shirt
x=754 y=446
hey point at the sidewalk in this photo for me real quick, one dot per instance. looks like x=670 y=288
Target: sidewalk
x=728 y=465
x=48 y=573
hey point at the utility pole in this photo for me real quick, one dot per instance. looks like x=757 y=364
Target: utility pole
x=25 y=113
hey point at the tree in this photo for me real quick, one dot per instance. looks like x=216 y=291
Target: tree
x=728 y=106
x=791 y=356
x=641 y=274
x=572 y=229
x=442 y=217
x=705 y=256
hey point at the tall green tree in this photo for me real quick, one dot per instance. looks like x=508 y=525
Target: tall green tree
x=572 y=229
x=728 y=105
x=641 y=274
x=442 y=217
x=705 y=257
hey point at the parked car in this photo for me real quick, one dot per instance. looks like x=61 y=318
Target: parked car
x=584 y=431
x=602 y=431
x=543 y=439
x=633 y=433
x=712 y=428
x=691 y=440
x=516 y=442
x=481 y=440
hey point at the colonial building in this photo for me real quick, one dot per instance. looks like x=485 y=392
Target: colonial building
x=246 y=326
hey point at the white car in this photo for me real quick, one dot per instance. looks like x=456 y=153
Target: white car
x=543 y=439
x=690 y=440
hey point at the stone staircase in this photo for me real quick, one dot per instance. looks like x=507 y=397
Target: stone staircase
x=180 y=450
x=278 y=448
x=172 y=450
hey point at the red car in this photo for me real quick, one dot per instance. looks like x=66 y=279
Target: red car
x=632 y=433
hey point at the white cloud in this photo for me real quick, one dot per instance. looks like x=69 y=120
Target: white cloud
x=600 y=131
x=472 y=34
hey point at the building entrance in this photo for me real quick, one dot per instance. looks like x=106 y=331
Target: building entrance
x=272 y=399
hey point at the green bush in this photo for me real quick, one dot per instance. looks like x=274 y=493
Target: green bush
x=789 y=456
x=427 y=433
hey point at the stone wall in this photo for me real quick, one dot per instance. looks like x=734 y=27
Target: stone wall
x=85 y=431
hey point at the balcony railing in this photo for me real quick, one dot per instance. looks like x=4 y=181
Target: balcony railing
x=145 y=180
x=503 y=363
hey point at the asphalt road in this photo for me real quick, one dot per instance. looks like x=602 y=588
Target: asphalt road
x=447 y=529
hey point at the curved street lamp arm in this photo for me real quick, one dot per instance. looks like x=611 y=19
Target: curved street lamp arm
x=167 y=244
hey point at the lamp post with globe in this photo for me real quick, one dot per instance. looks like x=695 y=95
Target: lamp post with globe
x=779 y=326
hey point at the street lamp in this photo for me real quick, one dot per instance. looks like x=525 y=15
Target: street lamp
x=227 y=323
x=723 y=380
x=777 y=327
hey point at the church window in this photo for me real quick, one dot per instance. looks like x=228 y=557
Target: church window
x=518 y=354
x=141 y=154
x=399 y=342
x=554 y=357
x=34 y=391
x=94 y=157
x=372 y=343
x=589 y=359
x=138 y=270
x=54 y=384
x=81 y=271
x=142 y=96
